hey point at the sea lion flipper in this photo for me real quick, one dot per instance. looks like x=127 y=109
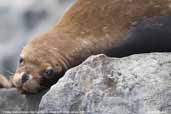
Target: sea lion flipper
x=4 y=82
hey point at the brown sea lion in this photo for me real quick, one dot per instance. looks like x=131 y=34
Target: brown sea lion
x=114 y=27
x=4 y=82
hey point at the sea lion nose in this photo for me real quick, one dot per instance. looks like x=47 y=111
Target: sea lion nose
x=24 y=78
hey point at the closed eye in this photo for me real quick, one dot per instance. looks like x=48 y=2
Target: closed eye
x=48 y=73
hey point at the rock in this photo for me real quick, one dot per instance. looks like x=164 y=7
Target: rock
x=138 y=84
x=11 y=101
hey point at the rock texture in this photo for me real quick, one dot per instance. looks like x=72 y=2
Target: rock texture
x=12 y=102
x=139 y=84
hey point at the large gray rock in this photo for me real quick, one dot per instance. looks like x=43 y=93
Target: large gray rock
x=139 y=84
x=11 y=101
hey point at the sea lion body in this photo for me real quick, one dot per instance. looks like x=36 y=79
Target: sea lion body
x=150 y=35
x=113 y=27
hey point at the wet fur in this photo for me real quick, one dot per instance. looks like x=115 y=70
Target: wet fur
x=150 y=35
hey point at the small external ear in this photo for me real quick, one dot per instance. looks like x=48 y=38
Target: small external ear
x=21 y=60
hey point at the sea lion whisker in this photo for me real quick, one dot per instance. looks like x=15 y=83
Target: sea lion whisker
x=10 y=72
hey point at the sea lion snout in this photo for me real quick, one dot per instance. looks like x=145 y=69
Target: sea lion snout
x=25 y=82
x=21 y=78
x=24 y=78
x=32 y=76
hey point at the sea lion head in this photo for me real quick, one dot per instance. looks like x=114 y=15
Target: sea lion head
x=39 y=66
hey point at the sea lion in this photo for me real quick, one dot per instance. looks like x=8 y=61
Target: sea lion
x=114 y=27
x=4 y=82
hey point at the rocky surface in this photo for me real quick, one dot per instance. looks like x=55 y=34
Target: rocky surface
x=11 y=101
x=139 y=84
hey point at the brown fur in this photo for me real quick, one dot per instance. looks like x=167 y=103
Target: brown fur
x=4 y=82
x=89 y=27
